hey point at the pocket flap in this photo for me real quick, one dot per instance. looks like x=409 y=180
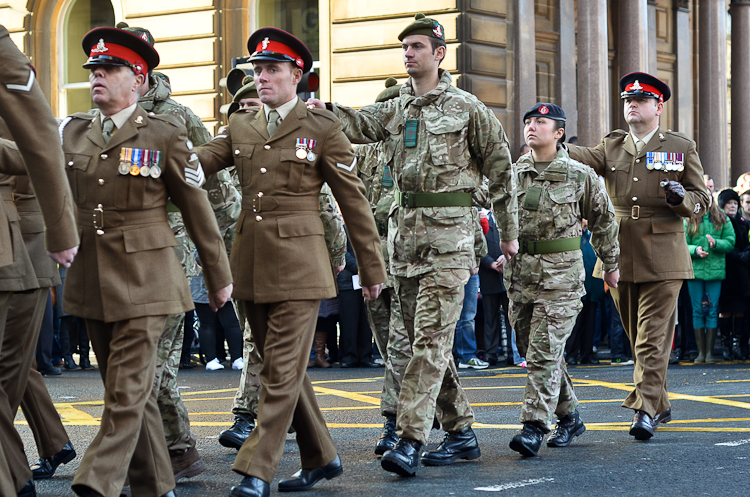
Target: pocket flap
x=290 y=155
x=564 y=194
x=152 y=237
x=246 y=150
x=77 y=161
x=441 y=123
x=667 y=226
x=300 y=225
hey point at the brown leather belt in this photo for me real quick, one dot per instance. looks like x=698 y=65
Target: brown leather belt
x=6 y=191
x=265 y=203
x=100 y=219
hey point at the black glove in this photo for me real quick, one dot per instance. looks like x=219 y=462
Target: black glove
x=674 y=191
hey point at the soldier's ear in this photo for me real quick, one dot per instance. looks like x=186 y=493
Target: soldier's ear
x=659 y=108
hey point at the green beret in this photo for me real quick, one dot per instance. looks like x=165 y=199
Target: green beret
x=247 y=91
x=142 y=33
x=423 y=26
x=391 y=90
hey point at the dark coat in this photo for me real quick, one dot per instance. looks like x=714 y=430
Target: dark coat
x=735 y=289
x=490 y=281
x=344 y=278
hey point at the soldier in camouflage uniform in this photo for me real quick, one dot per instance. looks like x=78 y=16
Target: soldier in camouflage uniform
x=245 y=407
x=444 y=140
x=545 y=279
x=224 y=199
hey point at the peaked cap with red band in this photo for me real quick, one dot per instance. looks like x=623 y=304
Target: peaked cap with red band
x=279 y=46
x=117 y=47
x=640 y=84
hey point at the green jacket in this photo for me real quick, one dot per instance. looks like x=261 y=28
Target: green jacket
x=712 y=267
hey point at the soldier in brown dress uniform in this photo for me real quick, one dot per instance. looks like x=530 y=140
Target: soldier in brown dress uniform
x=280 y=262
x=655 y=179
x=123 y=164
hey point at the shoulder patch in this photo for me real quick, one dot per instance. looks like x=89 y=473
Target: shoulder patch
x=168 y=118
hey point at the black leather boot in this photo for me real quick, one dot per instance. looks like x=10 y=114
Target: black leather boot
x=567 y=428
x=388 y=439
x=529 y=440
x=46 y=467
x=461 y=444
x=305 y=479
x=251 y=487
x=403 y=459
x=234 y=437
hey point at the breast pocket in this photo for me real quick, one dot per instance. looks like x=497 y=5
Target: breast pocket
x=291 y=171
x=76 y=166
x=449 y=148
x=654 y=179
x=148 y=253
x=618 y=178
x=302 y=238
x=563 y=204
x=243 y=161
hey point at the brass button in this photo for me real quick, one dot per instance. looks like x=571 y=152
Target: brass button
x=100 y=232
x=260 y=194
x=237 y=152
x=259 y=218
x=100 y=206
x=263 y=170
x=635 y=199
x=613 y=168
x=635 y=179
x=101 y=181
x=70 y=163
x=267 y=147
x=104 y=156
x=151 y=114
x=637 y=161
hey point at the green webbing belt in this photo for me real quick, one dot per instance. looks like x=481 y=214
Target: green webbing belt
x=412 y=199
x=548 y=246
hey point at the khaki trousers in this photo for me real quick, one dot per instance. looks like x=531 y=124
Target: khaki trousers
x=45 y=423
x=648 y=316
x=284 y=332
x=130 y=441
x=11 y=440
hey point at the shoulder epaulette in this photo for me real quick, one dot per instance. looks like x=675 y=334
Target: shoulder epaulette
x=679 y=135
x=324 y=113
x=84 y=116
x=617 y=133
x=167 y=118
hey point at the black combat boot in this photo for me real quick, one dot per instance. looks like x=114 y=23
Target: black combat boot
x=46 y=467
x=388 y=439
x=567 y=428
x=403 y=459
x=461 y=444
x=234 y=437
x=528 y=441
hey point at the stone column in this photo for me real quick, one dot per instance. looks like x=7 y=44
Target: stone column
x=682 y=92
x=632 y=41
x=567 y=84
x=740 y=89
x=593 y=78
x=712 y=86
x=524 y=84
x=651 y=49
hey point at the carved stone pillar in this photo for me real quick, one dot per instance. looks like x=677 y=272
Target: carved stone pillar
x=593 y=78
x=740 y=88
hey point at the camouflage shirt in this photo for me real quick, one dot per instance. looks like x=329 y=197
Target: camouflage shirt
x=570 y=192
x=223 y=196
x=333 y=227
x=457 y=141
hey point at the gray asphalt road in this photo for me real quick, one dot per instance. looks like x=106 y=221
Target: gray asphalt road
x=704 y=451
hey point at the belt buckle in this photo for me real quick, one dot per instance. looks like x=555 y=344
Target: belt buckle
x=404 y=199
x=99 y=217
x=635 y=211
x=256 y=202
x=524 y=247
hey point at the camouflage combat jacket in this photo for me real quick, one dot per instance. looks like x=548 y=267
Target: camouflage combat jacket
x=570 y=192
x=333 y=226
x=223 y=196
x=457 y=141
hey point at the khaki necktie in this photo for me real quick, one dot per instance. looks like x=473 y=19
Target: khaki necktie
x=639 y=145
x=107 y=126
x=273 y=122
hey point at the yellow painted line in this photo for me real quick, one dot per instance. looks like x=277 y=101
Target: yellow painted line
x=710 y=400
x=352 y=380
x=732 y=396
x=208 y=399
x=358 y=408
x=462 y=378
x=183 y=393
x=347 y=395
x=494 y=388
x=731 y=381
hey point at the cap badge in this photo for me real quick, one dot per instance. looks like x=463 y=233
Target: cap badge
x=438 y=31
x=636 y=86
x=543 y=110
x=265 y=42
x=144 y=37
x=139 y=120
x=100 y=47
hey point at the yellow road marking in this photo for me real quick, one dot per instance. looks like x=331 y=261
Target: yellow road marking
x=347 y=395
x=730 y=381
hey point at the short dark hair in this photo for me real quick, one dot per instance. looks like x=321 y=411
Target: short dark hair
x=437 y=42
x=559 y=125
x=746 y=192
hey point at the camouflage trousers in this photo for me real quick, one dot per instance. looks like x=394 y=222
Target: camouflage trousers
x=387 y=327
x=248 y=393
x=431 y=305
x=174 y=415
x=542 y=328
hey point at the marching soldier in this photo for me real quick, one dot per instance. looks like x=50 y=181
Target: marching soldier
x=283 y=155
x=20 y=97
x=545 y=279
x=445 y=139
x=655 y=179
x=123 y=163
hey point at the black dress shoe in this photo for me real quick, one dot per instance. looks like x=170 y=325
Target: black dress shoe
x=572 y=361
x=235 y=436
x=186 y=365
x=642 y=427
x=589 y=360
x=388 y=439
x=71 y=365
x=567 y=428
x=369 y=364
x=46 y=467
x=304 y=479
x=403 y=459
x=663 y=417
x=85 y=363
x=461 y=444
x=51 y=372
x=251 y=487
x=528 y=441
x=84 y=491
x=28 y=490
x=347 y=364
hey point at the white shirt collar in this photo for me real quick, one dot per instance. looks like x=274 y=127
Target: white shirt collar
x=121 y=117
x=646 y=138
x=283 y=109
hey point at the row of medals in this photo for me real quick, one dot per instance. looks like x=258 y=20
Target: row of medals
x=665 y=166
x=135 y=161
x=305 y=149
